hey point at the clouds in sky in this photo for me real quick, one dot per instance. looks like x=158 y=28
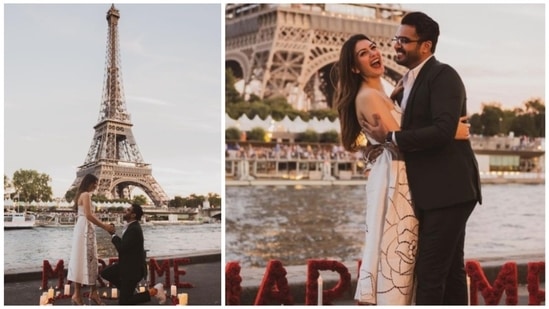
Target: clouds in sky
x=171 y=71
x=498 y=49
x=171 y=59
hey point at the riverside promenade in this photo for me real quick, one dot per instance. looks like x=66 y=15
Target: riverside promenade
x=204 y=273
x=296 y=276
x=206 y=270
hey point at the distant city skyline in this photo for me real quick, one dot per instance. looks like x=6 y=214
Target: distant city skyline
x=54 y=62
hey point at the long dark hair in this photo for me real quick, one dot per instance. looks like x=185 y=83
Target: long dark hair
x=347 y=86
x=85 y=185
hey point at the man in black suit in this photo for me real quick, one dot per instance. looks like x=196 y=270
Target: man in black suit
x=442 y=171
x=131 y=267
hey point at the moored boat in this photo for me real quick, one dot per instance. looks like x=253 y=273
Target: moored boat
x=18 y=220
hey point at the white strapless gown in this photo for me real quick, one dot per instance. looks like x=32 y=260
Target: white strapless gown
x=83 y=264
x=386 y=274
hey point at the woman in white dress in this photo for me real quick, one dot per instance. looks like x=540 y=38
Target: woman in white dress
x=83 y=264
x=386 y=275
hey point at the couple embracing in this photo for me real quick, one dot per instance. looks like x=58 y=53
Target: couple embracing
x=415 y=230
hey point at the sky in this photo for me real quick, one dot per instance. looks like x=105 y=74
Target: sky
x=498 y=49
x=54 y=63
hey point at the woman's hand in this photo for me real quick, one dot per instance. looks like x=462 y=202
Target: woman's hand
x=109 y=228
x=462 y=132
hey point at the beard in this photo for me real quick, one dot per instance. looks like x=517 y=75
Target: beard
x=409 y=59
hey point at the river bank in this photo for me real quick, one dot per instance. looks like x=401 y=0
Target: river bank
x=204 y=273
x=297 y=274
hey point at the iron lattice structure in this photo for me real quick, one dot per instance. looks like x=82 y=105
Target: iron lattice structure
x=113 y=155
x=288 y=50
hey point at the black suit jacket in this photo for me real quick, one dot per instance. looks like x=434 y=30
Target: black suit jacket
x=441 y=171
x=131 y=252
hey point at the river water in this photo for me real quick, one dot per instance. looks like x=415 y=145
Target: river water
x=25 y=250
x=296 y=223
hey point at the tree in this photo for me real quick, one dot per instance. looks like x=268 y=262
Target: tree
x=524 y=125
x=194 y=200
x=231 y=94
x=330 y=137
x=70 y=194
x=177 y=202
x=214 y=199
x=32 y=186
x=320 y=114
x=536 y=107
x=232 y=134
x=309 y=136
x=140 y=200
x=476 y=124
x=256 y=134
x=491 y=118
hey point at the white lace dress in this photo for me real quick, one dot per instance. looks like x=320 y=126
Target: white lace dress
x=83 y=265
x=386 y=274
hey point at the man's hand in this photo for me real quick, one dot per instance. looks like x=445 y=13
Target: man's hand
x=375 y=130
x=111 y=229
x=462 y=132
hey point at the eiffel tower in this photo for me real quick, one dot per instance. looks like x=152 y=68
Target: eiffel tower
x=288 y=50
x=113 y=155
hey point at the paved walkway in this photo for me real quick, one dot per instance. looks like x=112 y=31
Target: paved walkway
x=296 y=275
x=206 y=273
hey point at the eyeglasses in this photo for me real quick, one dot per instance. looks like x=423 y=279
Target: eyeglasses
x=403 y=40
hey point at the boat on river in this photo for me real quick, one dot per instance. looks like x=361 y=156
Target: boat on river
x=55 y=220
x=18 y=220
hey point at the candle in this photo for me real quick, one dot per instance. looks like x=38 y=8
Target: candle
x=183 y=299
x=114 y=293
x=43 y=299
x=319 y=282
x=468 y=290
x=67 y=289
x=104 y=294
x=57 y=293
x=50 y=293
x=141 y=289
x=173 y=290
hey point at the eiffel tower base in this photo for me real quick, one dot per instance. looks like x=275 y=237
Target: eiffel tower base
x=116 y=181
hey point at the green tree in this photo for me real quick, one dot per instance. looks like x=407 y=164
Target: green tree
x=279 y=107
x=524 y=125
x=70 y=194
x=231 y=94
x=256 y=134
x=536 y=107
x=232 y=134
x=309 y=136
x=476 y=124
x=329 y=113
x=491 y=119
x=236 y=110
x=258 y=109
x=140 y=200
x=177 y=202
x=214 y=199
x=331 y=136
x=32 y=186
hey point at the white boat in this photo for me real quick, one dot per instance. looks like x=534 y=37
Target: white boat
x=18 y=220
x=54 y=220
